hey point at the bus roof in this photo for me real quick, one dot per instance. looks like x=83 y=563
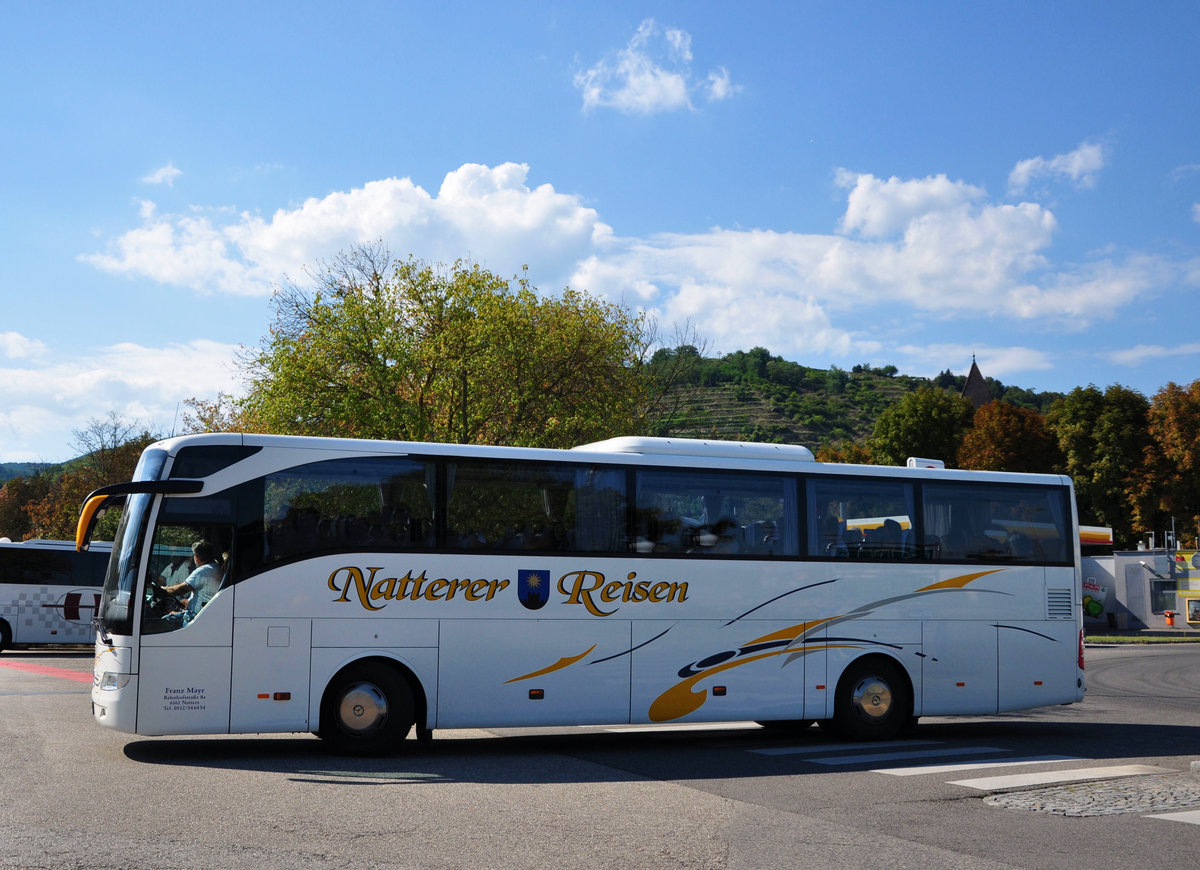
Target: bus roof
x=624 y=450
x=699 y=447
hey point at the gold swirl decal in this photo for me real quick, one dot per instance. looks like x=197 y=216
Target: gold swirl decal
x=681 y=699
x=564 y=662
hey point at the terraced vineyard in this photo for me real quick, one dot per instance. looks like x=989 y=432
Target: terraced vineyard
x=765 y=413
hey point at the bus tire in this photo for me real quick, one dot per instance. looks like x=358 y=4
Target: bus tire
x=367 y=709
x=5 y=635
x=873 y=700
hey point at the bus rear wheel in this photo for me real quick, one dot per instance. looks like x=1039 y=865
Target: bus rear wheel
x=873 y=700
x=5 y=636
x=367 y=709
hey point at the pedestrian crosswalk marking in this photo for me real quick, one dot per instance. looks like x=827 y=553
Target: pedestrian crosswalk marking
x=1191 y=817
x=1021 y=780
x=855 y=754
x=818 y=748
x=876 y=758
x=974 y=765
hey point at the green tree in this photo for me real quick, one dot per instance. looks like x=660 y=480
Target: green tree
x=1167 y=484
x=1004 y=437
x=15 y=497
x=1103 y=438
x=403 y=351
x=927 y=422
x=845 y=451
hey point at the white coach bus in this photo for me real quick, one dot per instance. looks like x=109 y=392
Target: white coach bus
x=49 y=592
x=370 y=587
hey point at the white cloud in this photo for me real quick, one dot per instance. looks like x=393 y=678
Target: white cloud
x=163 y=175
x=1186 y=170
x=997 y=362
x=13 y=345
x=679 y=41
x=719 y=86
x=42 y=404
x=487 y=214
x=1196 y=212
x=877 y=208
x=651 y=74
x=1135 y=356
x=184 y=250
x=1079 y=166
x=923 y=249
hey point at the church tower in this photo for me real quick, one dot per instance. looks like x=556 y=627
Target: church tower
x=976 y=389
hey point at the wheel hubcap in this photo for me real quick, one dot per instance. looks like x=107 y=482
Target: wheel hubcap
x=363 y=709
x=872 y=698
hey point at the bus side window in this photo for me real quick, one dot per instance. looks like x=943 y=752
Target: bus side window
x=998 y=524
x=715 y=513
x=544 y=506
x=366 y=503
x=860 y=519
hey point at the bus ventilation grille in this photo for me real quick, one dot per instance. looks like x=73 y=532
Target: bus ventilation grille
x=1059 y=604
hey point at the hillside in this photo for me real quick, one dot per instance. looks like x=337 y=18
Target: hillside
x=753 y=396
x=9 y=470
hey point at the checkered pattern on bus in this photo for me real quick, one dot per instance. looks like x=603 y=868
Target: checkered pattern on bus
x=48 y=616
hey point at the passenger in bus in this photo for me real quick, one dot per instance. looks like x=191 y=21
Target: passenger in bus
x=954 y=544
x=831 y=533
x=728 y=531
x=891 y=534
x=1021 y=547
x=201 y=585
x=396 y=525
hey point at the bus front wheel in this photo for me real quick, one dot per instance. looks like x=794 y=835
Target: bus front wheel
x=5 y=635
x=367 y=709
x=873 y=700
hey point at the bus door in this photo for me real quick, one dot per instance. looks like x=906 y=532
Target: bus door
x=1034 y=669
x=818 y=697
x=270 y=675
x=187 y=619
x=959 y=667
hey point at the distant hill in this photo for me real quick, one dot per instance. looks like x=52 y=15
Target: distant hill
x=9 y=470
x=754 y=396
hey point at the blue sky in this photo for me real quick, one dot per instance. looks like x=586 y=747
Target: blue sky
x=841 y=183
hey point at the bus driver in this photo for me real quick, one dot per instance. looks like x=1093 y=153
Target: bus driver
x=200 y=586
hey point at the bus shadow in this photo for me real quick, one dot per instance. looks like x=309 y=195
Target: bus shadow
x=735 y=753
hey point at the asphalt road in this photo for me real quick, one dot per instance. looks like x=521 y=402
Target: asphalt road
x=77 y=795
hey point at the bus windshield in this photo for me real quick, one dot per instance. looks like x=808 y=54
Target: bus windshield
x=116 y=606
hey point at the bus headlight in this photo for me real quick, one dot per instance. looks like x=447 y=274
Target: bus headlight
x=110 y=681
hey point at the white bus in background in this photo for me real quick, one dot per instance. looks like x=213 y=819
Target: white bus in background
x=49 y=592
x=370 y=587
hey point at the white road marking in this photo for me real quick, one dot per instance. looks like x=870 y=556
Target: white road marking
x=1021 y=780
x=1191 y=817
x=875 y=758
x=975 y=765
x=818 y=748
